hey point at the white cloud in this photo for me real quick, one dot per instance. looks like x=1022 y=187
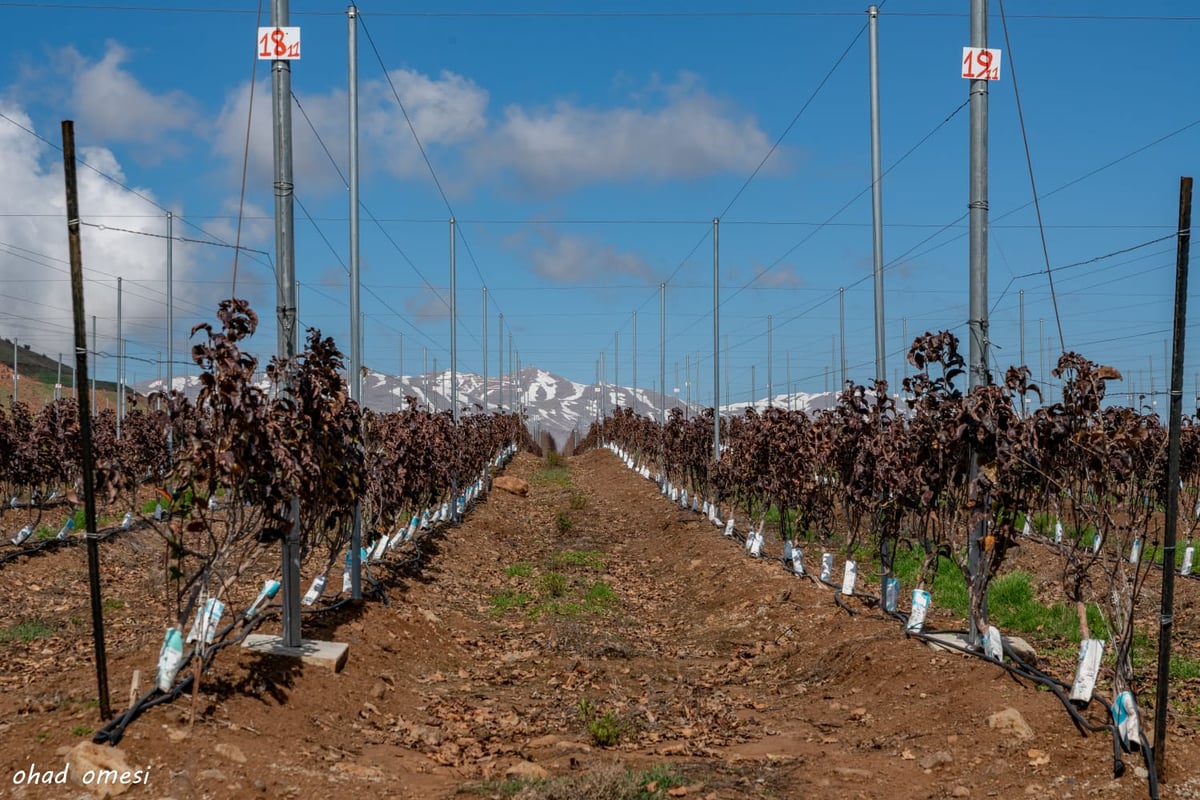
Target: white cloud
x=576 y=259
x=34 y=271
x=688 y=134
x=112 y=105
x=444 y=111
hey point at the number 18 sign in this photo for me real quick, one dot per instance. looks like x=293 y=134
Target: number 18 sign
x=279 y=44
x=980 y=63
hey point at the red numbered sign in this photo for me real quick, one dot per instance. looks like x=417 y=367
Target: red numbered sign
x=279 y=44
x=979 y=63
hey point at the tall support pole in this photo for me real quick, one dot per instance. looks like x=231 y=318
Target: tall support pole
x=885 y=550
x=170 y=328
x=512 y=377
x=716 y=339
x=95 y=354
x=15 y=379
x=500 y=357
x=87 y=462
x=727 y=395
x=603 y=387
x=753 y=388
x=842 y=331
x=120 y=363
x=633 y=359
x=356 y=355
x=1021 y=325
x=287 y=336
x=1174 y=430
x=1042 y=374
x=770 y=358
x=425 y=375
x=485 y=353
x=400 y=372
x=58 y=380
x=977 y=324
x=788 y=375
x=662 y=352
x=616 y=369
x=877 y=195
x=687 y=382
x=453 y=329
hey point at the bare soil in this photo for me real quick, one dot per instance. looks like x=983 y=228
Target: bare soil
x=746 y=680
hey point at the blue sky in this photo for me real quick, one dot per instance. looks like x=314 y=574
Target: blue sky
x=585 y=156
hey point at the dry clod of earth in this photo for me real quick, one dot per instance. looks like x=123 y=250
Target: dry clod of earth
x=508 y=483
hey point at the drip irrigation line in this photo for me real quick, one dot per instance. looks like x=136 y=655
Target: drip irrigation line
x=113 y=732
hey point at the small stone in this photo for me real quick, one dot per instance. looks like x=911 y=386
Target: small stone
x=231 y=752
x=1038 y=757
x=211 y=775
x=378 y=690
x=935 y=760
x=525 y=770
x=1141 y=772
x=858 y=713
x=1011 y=721
x=960 y=791
x=852 y=772
x=1021 y=649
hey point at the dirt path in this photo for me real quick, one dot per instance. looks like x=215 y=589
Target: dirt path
x=593 y=599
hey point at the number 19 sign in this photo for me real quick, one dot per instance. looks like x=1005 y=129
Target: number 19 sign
x=980 y=63
x=279 y=44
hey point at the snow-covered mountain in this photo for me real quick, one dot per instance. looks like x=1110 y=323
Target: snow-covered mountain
x=553 y=404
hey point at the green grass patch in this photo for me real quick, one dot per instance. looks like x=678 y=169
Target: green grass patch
x=578 y=501
x=1012 y=606
x=81 y=730
x=44 y=533
x=563 y=522
x=604 y=782
x=588 y=559
x=521 y=569
x=599 y=597
x=552 y=476
x=550 y=592
x=507 y=600
x=27 y=631
x=1183 y=668
x=113 y=604
x=553 y=585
